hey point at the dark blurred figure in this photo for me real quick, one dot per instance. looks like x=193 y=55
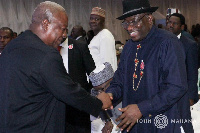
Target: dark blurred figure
x=6 y=35
x=90 y=35
x=185 y=32
x=160 y=26
x=193 y=30
x=196 y=35
x=14 y=35
x=84 y=35
x=196 y=31
x=119 y=47
x=78 y=33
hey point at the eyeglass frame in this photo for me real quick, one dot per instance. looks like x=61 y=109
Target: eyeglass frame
x=135 y=23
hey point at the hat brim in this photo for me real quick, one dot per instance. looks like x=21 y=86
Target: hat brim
x=145 y=10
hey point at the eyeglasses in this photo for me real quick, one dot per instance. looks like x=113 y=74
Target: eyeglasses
x=132 y=23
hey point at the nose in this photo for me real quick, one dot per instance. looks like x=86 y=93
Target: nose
x=171 y=24
x=131 y=27
x=1 y=39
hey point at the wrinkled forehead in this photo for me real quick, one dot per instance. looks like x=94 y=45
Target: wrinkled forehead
x=61 y=18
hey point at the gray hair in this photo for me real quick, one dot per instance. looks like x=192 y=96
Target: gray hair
x=46 y=10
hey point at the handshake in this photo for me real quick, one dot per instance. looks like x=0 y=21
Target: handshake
x=106 y=99
x=129 y=117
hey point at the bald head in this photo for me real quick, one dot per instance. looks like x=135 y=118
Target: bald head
x=46 y=10
x=49 y=23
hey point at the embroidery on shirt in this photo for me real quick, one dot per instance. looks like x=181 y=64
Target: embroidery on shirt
x=141 y=69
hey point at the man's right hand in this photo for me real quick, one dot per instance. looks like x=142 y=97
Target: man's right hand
x=106 y=100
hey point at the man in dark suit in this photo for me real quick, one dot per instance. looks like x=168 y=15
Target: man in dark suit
x=34 y=85
x=78 y=62
x=77 y=33
x=176 y=21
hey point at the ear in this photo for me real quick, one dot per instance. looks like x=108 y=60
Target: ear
x=182 y=27
x=150 y=19
x=45 y=24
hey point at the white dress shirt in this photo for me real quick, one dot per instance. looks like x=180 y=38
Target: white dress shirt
x=102 y=49
x=64 y=53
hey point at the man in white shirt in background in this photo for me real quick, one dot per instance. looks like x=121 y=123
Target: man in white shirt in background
x=102 y=46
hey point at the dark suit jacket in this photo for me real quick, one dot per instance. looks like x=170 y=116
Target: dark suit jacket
x=82 y=39
x=191 y=52
x=34 y=88
x=80 y=62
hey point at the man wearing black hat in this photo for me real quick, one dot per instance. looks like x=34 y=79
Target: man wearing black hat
x=151 y=76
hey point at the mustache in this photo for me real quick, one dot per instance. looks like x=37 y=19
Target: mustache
x=129 y=32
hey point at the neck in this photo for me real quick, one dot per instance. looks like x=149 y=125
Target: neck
x=97 y=31
x=36 y=29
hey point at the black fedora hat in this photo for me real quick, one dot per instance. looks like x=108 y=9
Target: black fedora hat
x=133 y=7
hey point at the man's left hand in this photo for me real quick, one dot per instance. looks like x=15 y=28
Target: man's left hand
x=130 y=115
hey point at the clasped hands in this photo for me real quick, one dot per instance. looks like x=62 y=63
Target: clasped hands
x=106 y=100
x=130 y=114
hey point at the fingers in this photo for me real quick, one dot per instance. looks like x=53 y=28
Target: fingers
x=130 y=126
x=111 y=107
x=110 y=94
x=105 y=98
x=121 y=117
x=107 y=128
x=128 y=117
x=111 y=98
x=123 y=109
x=124 y=123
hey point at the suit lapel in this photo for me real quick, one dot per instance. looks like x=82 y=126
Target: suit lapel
x=70 y=55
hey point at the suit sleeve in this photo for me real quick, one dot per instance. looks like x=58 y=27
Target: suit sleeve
x=58 y=82
x=87 y=58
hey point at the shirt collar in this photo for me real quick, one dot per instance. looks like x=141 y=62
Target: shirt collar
x=65 y=43
x=78 y=37
x=179 y=36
